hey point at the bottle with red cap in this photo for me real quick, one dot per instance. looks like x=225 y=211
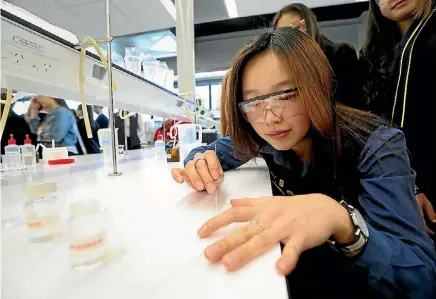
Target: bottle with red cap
x=12 y=154
x=28 y=152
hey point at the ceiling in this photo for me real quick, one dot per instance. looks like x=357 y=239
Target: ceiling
x=87 y=17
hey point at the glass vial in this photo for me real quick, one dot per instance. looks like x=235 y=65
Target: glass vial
x=86 y=232
x=42 y=212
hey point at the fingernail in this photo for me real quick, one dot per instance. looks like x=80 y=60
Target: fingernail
x=202 y=230
x=210 y=188
x=233 y=259
x=215 y=174
x=213 y=253
x=199 y=185
x=179 y=179
x=282 y=266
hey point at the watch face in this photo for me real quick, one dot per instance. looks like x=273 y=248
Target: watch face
x=361 y=222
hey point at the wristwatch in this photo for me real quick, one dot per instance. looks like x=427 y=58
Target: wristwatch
x=361 y=234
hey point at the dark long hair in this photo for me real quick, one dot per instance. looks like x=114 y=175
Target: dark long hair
x=309 y=17
x=90 y=115
x=382 y=36
x=61 y=102
x=331 y=121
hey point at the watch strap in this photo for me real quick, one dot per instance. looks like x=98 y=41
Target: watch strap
x=353 y=247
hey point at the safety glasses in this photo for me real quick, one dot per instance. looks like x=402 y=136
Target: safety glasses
x=281 y=103
x=300 y=25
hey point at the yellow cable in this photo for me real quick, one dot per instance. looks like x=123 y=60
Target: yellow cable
x=401 y=68
x=408 y=71
x=190 y=114
x=5 y=112
x=104 y=61
x=120 y=114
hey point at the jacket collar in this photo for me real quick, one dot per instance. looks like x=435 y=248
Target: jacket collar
x=287 y=159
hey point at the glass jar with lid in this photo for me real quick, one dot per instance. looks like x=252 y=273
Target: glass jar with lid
x=86 y=232
x=42 y=212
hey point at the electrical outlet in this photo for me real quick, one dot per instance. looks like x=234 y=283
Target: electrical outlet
x=27 y=60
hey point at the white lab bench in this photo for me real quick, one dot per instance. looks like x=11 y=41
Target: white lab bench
x=152 y=224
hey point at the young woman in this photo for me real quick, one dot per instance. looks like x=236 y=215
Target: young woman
x=341 y=56
x=399 y=57
x=327 y=162
x=58 y=125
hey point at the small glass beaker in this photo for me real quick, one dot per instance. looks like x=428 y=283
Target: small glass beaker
x=42 y=212
x=86 y=232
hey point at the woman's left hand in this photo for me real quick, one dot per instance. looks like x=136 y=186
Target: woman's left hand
x=300 y=222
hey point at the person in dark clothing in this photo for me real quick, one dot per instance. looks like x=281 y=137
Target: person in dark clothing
x=91 y=144
x=130 y=120
x=16 y=125
x=341 y=56
x=320 y=155
x=401 y=46
x=102 y=120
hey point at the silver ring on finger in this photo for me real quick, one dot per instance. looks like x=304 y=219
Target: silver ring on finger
x=200 y=159
x=256 y=221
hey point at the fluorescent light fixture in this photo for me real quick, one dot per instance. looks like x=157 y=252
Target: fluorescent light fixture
x=170 y=7
x=232 y=10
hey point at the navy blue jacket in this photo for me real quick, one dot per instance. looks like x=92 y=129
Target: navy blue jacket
x=102 y=121
x=398 y=261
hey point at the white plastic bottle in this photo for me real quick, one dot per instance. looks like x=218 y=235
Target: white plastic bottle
x=12 y=154
x=28 y=153
x=159 y=149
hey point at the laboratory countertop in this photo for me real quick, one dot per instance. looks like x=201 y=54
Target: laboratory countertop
x=152 y=224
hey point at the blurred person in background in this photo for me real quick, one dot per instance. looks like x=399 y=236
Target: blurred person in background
x=59 y=124
x=102 y=120
x=160 y=131
x=91 y=144
x=42 y=114
x=399 y=63
x=130 y=126
x=168 y=124
x=15 y=124
x=341 y=56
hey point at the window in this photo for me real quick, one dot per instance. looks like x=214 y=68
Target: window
x=203 y=92
x=216 y=96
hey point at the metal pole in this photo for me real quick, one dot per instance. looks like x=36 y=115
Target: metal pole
x=125 y=133
x=111 y=95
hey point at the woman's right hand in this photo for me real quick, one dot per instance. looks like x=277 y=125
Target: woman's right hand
x=204 y=172
x=33 y=108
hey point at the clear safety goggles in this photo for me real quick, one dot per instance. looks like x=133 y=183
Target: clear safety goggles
x=300 y=25
x=281 y=104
